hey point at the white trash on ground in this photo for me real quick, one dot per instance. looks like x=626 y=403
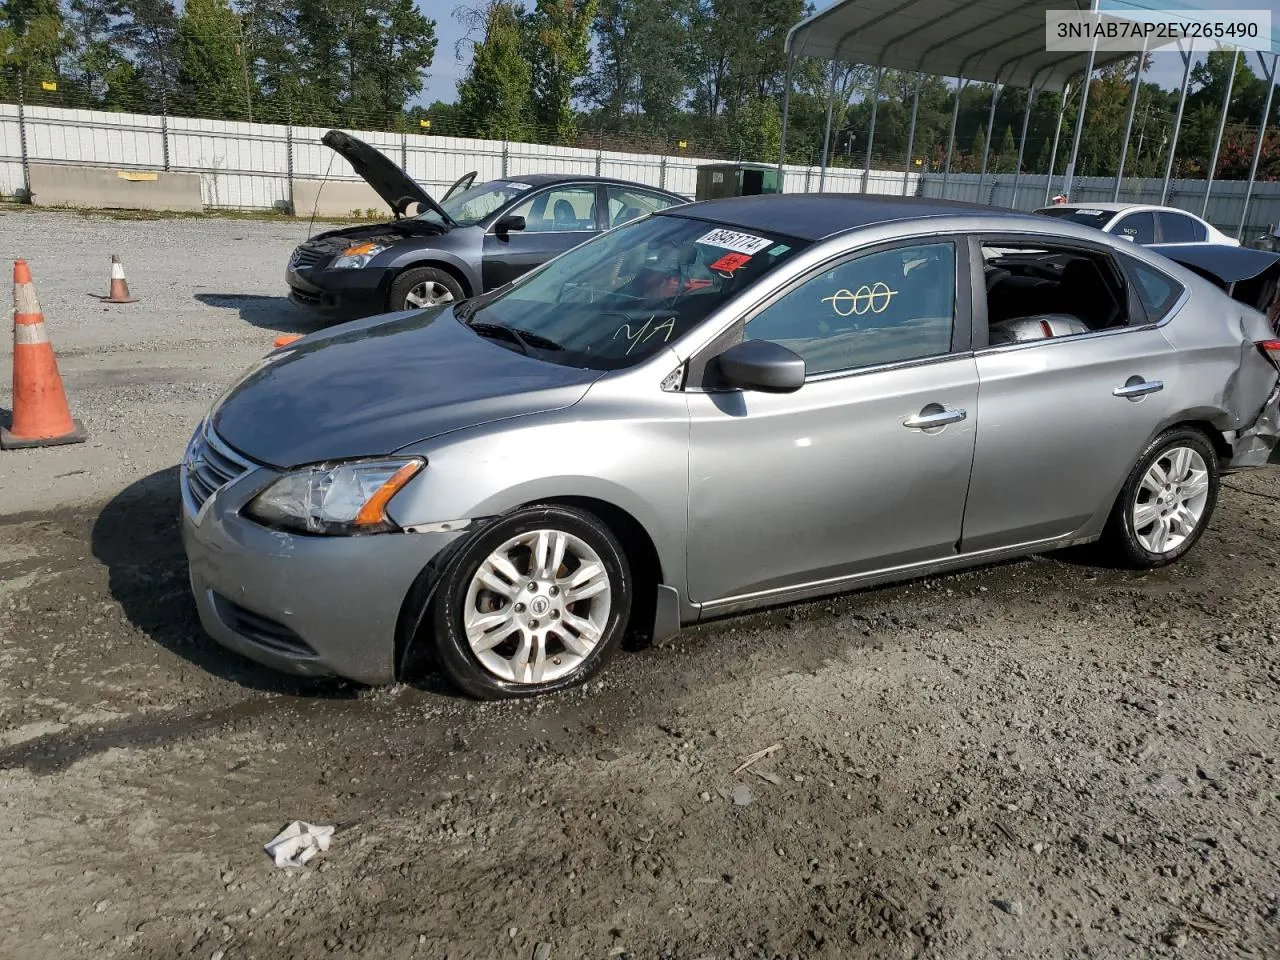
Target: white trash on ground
x=297 y=843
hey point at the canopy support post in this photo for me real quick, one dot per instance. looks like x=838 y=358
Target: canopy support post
x=986 y=146
x=1222 y=126
x=951 y=137
x=911 y=136
x=826 y=136
x=1128 y=124
x=871 y=134
x=786 y=111
x=1270 y=77
x=1068 y=175
x=1177 y=124
x=1022 y=142
x=1057 y=135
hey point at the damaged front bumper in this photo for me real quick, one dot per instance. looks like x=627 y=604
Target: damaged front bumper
x=1259 y=444
x=309 y=605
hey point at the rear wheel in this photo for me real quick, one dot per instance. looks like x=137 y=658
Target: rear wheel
x=422 y=287
x=1166 y=502
x=536 y=603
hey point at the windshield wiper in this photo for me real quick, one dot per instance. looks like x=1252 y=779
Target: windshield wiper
x=527 y=341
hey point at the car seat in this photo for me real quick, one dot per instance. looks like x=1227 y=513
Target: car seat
x=1085 y=294
x=566 y=218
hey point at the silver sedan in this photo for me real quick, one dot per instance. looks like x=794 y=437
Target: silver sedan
x=720 y=407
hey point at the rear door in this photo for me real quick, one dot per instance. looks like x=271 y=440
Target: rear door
x=1064 y=419
x=556 y=219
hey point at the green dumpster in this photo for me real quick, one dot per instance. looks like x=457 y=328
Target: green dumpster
x=717 y=180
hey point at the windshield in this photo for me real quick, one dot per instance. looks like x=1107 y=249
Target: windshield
x=618 y=299
x=1089 y=217
x=469 y=207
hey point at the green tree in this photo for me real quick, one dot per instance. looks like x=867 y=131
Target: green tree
x=33 y=38
x=145 y=32
x=558 y=36
x=755 y=132
x=494 y=97
x=212 y=78
x=1007 y=157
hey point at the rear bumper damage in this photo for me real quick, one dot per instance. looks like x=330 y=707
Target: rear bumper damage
x=1259 y=444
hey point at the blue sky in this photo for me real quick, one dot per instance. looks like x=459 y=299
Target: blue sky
x=1166 y=68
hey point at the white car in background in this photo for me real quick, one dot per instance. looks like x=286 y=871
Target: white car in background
x=1151 y=226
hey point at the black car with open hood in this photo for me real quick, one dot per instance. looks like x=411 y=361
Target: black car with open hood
x=477 y=237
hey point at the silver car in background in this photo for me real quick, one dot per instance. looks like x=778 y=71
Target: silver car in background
x=719 y=407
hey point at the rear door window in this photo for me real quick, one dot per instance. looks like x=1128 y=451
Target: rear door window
x=629 y=203
x=1138 y=227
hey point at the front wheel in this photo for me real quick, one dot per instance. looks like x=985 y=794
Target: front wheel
x=1166 y=502
x=536 y=603
x=421 y=287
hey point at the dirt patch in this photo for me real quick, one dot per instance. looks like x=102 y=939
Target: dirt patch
x=1040 y=759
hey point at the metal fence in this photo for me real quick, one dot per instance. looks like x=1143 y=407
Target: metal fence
x=253 y=165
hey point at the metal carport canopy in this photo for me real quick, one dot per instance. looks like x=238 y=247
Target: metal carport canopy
x=988 y=41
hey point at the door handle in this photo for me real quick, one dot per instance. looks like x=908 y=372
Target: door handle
x=938 y=417
x=1136 y=387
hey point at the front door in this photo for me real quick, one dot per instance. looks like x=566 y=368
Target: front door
x=556 y=219
x=866 y=466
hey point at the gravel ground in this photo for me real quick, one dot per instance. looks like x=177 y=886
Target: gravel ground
x=1039 y=759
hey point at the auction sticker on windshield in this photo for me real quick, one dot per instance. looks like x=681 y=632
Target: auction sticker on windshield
x=518 y=186
x=732 y=240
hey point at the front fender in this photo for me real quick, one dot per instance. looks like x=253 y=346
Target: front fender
x=638 y=465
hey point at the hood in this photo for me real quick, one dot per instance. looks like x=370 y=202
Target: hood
x=371 y=387
x=389 y=182
x=1219 y=263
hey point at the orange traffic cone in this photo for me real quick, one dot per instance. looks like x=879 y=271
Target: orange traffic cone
x=119 y=285
x=41 y=417
x=286 y=338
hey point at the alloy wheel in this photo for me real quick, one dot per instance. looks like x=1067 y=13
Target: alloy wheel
x=427 y=294
x=1170 y=502
x=537 y=606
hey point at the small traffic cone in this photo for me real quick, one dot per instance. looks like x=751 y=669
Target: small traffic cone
x=41 y=417
x=119 y=285
x=286 y=338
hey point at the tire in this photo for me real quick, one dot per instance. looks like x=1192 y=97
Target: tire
x=1190 y=465
x=428 y=284
x=489 y=624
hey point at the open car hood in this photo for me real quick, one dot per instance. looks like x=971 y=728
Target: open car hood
x=389 y=182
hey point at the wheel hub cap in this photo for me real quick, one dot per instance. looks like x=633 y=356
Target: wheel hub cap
x=1170 y=503
x=537 y=606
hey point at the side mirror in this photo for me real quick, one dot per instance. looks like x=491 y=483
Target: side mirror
x=506 y=224
x=761 y=365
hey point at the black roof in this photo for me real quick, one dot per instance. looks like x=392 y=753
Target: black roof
x=811 y=216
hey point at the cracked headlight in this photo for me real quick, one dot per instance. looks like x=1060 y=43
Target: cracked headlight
x=335 y=498
x=357 y=256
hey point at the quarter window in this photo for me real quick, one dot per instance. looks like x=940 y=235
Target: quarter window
x=882 y=307
x=1177 y=228
x=1157 y=291
x=560 y=210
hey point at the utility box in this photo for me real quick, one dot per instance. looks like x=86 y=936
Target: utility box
x=716 y=180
